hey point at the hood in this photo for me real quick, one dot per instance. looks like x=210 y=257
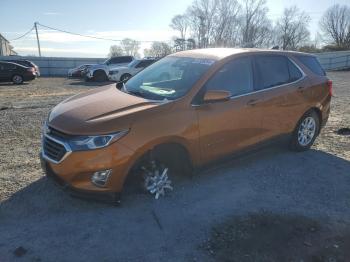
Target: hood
x=95 y=66
x=100 y=111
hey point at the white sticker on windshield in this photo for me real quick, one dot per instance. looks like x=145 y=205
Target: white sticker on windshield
x=203 y=61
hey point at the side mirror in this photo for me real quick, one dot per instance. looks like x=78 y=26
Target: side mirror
x=212 y=96
x=120 y=85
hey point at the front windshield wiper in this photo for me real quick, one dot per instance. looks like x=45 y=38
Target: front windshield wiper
x=136 y=93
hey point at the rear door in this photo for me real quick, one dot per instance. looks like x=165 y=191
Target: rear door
x=234 y=124
x=280 y=83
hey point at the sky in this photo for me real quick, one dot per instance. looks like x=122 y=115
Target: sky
x=143 y=20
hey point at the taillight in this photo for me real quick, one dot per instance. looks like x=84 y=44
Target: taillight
x=330 y=87
x=31 y=69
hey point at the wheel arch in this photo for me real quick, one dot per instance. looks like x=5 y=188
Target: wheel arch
x=123 y=74
x=99 y=70
x=315 y=109
x=173 y=145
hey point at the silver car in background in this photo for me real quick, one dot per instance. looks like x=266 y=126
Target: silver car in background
x=100 y=72
x=123 y=73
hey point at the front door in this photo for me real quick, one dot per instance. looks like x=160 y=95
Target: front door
x=230 y=125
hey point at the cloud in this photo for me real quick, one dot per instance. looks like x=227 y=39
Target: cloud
x=52 y=13
x=55 y=43
x=140 y=35
x=59 y=51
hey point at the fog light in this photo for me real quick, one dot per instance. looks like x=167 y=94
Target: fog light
x=100 y=178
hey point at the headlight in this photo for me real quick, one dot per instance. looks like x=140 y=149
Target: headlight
x=81 y=143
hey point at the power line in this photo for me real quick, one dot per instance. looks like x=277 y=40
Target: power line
x=88 y=36
x=27 y=33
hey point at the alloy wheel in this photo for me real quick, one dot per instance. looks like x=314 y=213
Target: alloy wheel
x=307 y=131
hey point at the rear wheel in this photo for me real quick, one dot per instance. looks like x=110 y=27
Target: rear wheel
x=306 y=132
x=17 y=79
x=125 y=77
x=100 y=76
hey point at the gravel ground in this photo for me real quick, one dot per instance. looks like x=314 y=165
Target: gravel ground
x=40 y=222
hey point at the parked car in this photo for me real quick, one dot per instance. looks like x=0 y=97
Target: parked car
x=123 y=73
x=11 y=72
x=78 y=71
x=214 y=102
x=100 y=72
x=26 y=63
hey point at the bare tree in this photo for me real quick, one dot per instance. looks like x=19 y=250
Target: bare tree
x=226 y=22
x=115 y=50
x=180 y=44
x=335 y=24
x=292 y=28
x=130 y=47
x=158 y=49
x=180 y=23
x=202 y=20
x=255 y=26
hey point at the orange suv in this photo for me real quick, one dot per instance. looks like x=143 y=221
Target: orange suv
x=186 y=110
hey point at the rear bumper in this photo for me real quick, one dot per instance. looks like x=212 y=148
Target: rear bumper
x=108 y=197
x=326 y=109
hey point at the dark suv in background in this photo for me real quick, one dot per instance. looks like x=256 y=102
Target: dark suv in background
x=16 y=73
x=26 y=63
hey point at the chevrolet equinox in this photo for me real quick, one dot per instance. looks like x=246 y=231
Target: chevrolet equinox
x=188 y=109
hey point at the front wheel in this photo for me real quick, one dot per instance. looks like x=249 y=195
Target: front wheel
x=100 y=76
x=155 y=178
x=306 y=132
x=17 y=79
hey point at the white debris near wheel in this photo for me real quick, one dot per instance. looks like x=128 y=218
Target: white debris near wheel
x=156 y=180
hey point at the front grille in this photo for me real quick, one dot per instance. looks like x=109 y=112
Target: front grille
x=53 y=150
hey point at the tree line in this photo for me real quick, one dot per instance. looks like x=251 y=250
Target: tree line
x=230 y=23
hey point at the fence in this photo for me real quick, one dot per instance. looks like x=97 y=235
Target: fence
x=55 y=66
x=334 y=60
x=59 y=66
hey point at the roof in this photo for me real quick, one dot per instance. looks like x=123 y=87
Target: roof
x=220 y=53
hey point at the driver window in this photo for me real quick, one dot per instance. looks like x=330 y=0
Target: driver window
x=235 y=76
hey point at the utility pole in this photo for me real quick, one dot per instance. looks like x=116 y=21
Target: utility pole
x=37 y=37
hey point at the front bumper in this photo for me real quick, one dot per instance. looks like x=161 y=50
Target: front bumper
x=113 y=198
x=89 y=75
x=74 y=172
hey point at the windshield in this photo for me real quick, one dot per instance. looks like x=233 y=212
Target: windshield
x=169 y=78
x=133 y=63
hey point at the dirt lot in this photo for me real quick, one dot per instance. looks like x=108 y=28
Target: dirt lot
x=273 y=205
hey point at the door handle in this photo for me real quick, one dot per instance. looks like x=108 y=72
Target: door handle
x=252 y=102
x=301 y=88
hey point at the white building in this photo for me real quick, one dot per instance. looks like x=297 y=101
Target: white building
x=5 y=48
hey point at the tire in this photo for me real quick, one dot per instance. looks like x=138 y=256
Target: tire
x=17 y=79
x=100 y=76
x=305 y=132
x=125 y=77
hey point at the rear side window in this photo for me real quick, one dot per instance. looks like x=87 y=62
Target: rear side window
x=235 y=76
x=294 y=72
x=312 y=63
x=8 y=66
x=120 y=59
x=271 y=71
x=144 y=63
